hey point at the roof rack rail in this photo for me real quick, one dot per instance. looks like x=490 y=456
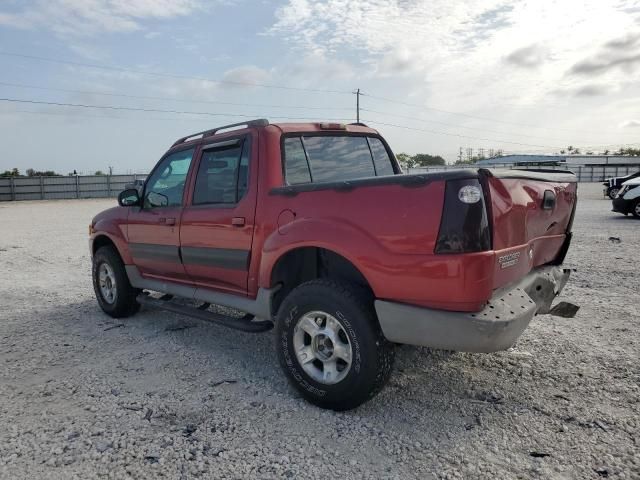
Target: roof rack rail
x=359 y=124
x=261 y=122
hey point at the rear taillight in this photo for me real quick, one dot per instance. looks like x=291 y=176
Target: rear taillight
x=464 y=226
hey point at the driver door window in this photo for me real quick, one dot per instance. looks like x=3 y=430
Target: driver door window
x=166 y=184
x=153 y=231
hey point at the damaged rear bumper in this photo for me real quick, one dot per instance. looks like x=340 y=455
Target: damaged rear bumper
x=496 y=327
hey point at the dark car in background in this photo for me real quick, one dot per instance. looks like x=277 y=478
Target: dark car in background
x=628 y=199
x=614 y=184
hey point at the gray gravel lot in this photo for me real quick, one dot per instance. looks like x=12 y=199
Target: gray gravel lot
x=84 y=396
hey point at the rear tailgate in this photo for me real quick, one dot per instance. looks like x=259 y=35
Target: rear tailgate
x=531 y=213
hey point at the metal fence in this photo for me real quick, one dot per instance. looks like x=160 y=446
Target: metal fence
x=75 y=186
x=103 y=186
x=585 y=173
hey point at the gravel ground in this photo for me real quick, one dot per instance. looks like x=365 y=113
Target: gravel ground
x=158 y=395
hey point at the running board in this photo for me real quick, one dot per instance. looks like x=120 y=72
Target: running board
x=244 y=324
x=261 y=306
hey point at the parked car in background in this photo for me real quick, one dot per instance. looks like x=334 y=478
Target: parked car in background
x=311 y=227
x=628 y=199
x=613 y=184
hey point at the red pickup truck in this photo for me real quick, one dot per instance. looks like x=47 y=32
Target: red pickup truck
x=313 y=228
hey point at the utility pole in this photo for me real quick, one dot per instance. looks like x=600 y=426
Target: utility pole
x=460 y=156
x=357 y=92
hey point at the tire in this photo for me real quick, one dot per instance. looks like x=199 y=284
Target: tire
x=612 y=192
x=122 y=303
x=635 y=210
x=335 y=384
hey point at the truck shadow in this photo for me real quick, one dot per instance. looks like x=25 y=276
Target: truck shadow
x=428 y=395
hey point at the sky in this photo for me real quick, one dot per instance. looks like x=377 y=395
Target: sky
x=530 y=76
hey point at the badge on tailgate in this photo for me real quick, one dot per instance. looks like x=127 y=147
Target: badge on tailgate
x=509 y=260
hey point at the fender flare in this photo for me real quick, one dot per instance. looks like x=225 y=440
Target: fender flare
x=115 y=236
x=325 y=233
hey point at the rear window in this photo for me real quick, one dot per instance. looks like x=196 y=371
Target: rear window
x=334 y=158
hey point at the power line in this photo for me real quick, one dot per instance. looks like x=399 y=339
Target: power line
x=168 y=75
x=284 y=87
x=147 y=110
x=476 y=117
x=458 y=126
x=115 y=117
x=185 y=100
x=437 y=132
x=88 y=115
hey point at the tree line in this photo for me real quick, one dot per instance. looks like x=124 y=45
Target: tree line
x=419 y=160
x=404 y=159
x=30 y=172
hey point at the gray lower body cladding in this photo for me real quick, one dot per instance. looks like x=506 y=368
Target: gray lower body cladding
x=496 y=327
x=260 y=306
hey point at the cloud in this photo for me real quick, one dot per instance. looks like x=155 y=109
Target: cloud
x=246 y=75
x=630 y=124
x=623 y=43
x=619 y=53
x=315 y=65
x=91 y=17
x=528 y=57
x=592 y=90
x=586 y=90
x=603 y=64
x=386 y=30
x=398 y=62
x=15 y=21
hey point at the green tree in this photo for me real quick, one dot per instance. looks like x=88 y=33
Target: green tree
x=14 y=172
x=425 y=160
x=405 y=160
x=37 y=173
x=99 y=172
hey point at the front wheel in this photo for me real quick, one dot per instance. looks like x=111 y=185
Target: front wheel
x=636 y=209
x=613 y=192
x=113 y=290
x=330 y=344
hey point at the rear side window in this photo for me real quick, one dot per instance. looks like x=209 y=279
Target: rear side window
x=222 y=174
x=380 y=157
x=325 y=158
x=297 y=170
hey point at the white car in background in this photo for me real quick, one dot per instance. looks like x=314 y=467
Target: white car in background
x=628 y=198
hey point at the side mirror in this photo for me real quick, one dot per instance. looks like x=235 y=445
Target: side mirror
x=129 y=198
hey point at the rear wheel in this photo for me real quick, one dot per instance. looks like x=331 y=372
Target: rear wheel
x=113 y=290
x=636 y=209
x=330 y=345
x=613 y=192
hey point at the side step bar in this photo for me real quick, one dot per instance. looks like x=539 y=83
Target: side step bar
x=244 y=324
x=260 y=307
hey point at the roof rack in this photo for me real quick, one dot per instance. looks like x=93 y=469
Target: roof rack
x=261 y=122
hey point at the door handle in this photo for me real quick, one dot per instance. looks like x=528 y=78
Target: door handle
x=167 y=221
x=237 y=221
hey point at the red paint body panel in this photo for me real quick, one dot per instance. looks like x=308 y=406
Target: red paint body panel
x=113 y=224
x=208 y=226
x=150 y=227
x=388 y=232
